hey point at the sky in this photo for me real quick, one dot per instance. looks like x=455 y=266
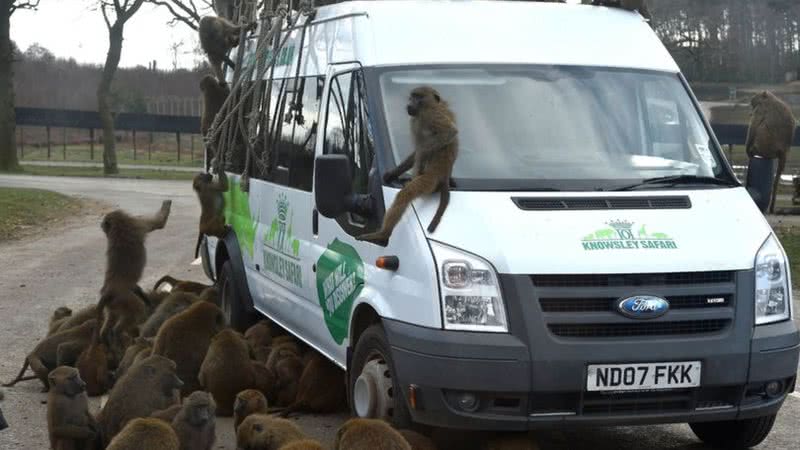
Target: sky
x=72 y=28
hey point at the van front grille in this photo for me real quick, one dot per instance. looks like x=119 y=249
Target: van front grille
x=562 y=305
x=639 y=279
x=629 y=329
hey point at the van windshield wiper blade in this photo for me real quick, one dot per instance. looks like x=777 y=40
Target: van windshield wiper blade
x=674 y=180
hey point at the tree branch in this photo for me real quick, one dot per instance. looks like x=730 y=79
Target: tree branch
x=181 y=12
x=27 y=4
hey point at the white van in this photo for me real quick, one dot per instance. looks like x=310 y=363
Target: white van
x=599 y=263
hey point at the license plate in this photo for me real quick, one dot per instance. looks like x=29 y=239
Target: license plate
x=645 y=376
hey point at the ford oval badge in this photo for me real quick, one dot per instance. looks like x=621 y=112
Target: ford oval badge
x=643 y=307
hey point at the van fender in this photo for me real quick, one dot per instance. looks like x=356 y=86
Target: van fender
x=369 y=307
x=228 y=249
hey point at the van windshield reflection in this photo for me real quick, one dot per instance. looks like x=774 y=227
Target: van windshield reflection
x=561 y=128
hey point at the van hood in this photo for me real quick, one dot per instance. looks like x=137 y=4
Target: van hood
x=721 y=230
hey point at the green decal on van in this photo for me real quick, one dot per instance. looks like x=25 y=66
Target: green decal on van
x=620 y=235
x=281 y=248
x=237 y=215
x=340 y=278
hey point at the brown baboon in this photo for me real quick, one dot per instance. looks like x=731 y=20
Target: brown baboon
x=195 y=424
x=214 y=95
x=217 y=37
x=304 y=444
x=771 y=133
x=126 y=257
x=173 y=304
x=262 y=432
x=60 y=315
x=435 y=137
x=167 y=415
x=511 y=441
x=286 y=380
x=69 y=423
x=212 y=205
x=139 y=345
x=192 y=287
x=280 y=350
x=259 y=335
x=59 y=349
x=185 y=337
x=321 y=388
x=224 y=8
x=369 y=434
x=93 y=366
x=78 y=317
x=248 y=402
x=227 y=370
x=148 y=386
x=141 y=433
x=417 y=441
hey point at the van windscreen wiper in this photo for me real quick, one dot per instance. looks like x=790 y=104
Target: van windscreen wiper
x=674 y=180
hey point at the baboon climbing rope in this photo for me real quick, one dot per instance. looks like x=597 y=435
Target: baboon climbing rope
x=244 y=116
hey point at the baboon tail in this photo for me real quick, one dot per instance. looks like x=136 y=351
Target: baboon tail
x=19 y=376
x=443 y=202
x=165 y=279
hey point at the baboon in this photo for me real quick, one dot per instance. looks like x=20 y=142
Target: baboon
x=59 y=349
x=227 y=370
x=435 y=137
x=212 y=205
x=60 y=315
x=417 y=441
x=185 y=337
x=224 y=8
x=78 y=317
x=369 y=434
x=280 y=350
x=139 y=345
x=217 y=37
x=3 y=423
x=214 y=95
x=305 y=444
x=771 y=133
x=145 y=433
x=93 y=366
x=195 y=423
x=69 y=423
x=248 y=402
x=126 y=257
x=173 y=304
x=511 y=441
x=211 y=295
x=168 y=415
x=321 y=388
x=259 y=335
x=192 y=287
x=147 y=387
x=288 y=371
x=262 y=432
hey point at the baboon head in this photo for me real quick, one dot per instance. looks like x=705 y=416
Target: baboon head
x=198 y=409
x=61 y=312
x=201 y=180
x=112 y=220
x=163 y=370
x=422 y=97
x=66 y=381
x=760 y=99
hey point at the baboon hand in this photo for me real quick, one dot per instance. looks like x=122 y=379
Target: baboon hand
x=378 y=238
x=389 y=176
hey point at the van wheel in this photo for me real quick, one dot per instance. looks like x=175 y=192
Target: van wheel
x=231 y=302
x=734 y=434
x=372 y=385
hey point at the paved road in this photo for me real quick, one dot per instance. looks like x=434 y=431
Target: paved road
x=65 y=266
x=97 y=164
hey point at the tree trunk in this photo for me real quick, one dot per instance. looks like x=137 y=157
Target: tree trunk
x=8 y=143
x=103 y=90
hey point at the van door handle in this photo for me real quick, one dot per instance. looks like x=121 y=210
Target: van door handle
x=315 y=222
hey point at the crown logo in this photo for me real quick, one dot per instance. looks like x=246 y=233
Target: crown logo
x=283 y=207
x=620 y=225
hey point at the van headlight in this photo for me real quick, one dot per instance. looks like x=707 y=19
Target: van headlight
x=471 y=298
x=773 y=297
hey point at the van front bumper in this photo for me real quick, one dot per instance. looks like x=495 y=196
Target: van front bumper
x=530 y=378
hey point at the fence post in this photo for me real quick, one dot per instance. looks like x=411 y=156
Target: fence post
x=150 y=147
x=134 y=145
x=64 y=148
x=178 y=137
x=91 y=144
x=21 y=144
x=48 y=142
x=191 y=147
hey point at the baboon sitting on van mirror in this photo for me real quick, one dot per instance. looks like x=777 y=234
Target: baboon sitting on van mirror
x=435 y=138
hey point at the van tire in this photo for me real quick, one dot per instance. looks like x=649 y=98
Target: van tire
x=373 y=345
x=236 y=313
x=734 y=434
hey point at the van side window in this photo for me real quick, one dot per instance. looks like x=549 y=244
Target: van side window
x=348 y=132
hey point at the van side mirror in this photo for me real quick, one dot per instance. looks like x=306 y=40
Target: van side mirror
x=333 y=185
x=760 y=175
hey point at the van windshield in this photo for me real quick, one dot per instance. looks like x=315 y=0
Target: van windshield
x=561 y=128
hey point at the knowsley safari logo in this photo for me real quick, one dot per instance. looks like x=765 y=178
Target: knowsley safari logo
x=340 y=278
x=281 y=248
x=626 y=235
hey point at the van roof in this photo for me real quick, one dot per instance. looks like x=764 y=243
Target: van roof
x=413 y=32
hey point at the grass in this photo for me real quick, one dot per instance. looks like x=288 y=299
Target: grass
x=790 y=239
x=97 y=172
x=24 y=211
x=82 y=153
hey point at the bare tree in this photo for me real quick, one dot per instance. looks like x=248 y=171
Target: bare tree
x=185 y=11
x=121 y=11
x=8 y=128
